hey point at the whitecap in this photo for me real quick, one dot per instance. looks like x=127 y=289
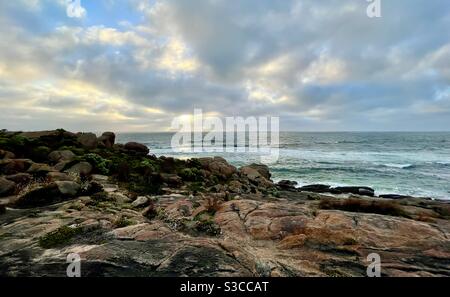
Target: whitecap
x=400 y=166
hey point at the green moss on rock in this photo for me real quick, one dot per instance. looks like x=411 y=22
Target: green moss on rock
x=123 y=222
x=59 y=237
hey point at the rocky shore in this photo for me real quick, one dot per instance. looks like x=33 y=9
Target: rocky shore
x=129 y=213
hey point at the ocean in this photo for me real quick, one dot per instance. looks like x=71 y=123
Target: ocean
x=407 y=163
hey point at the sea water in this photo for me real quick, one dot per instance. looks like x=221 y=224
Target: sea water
x=408 y=163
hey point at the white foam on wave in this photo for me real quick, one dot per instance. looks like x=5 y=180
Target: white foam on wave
x=400 y=166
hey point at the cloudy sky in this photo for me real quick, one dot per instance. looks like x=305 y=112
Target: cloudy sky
x=134 y=65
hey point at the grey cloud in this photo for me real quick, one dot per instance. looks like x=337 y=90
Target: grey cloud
x=392 y=68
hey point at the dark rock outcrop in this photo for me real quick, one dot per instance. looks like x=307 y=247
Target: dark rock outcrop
x=287 y=184
x=395 y=196
x=107 y=140
x=319 y=188
x=316 y=188
x=137 y=148
x=365 y=191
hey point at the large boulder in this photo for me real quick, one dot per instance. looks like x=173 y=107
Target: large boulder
x=251 y=173
x=6 y=187
x=59 y=156
x=87 y=140
x=263 y=170
x=256 y=177
x=82 y=169
x=13 y=166
x=6 y=155
x=218 y=166
x=20 y=178
x=107 y=139
x=256 y=173
x=46 y=195
x=138 y=148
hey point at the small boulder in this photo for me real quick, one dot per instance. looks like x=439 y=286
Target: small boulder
x=38 y=168
x=58 y=156
x=138 y=148
x=287 y=184
x=7 y=187
x=68 y=188
x=107 y=139
x=140 y=202
x=82 y=169
x=87 y=140
x=119 y=197
x=99 y=178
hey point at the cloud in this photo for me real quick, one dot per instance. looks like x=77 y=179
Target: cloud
x=74 y=9
x=133 y=65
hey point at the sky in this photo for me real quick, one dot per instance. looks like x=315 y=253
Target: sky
x=132 y=66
